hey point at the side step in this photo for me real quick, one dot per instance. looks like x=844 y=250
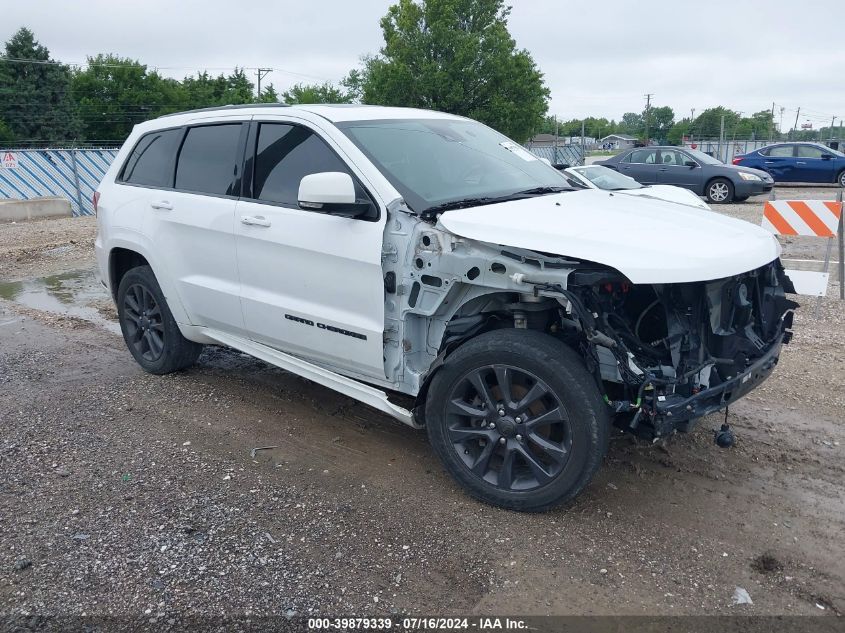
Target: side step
x=347 y=386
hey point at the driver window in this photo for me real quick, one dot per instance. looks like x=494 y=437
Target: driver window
x=284 y=154
x=781 y=150
x=809 y=151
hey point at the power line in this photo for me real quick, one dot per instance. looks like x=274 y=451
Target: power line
x=89 y=64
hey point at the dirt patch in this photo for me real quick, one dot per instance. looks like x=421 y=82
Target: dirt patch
x=766 y=563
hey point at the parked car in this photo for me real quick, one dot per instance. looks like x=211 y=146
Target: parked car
x=601 y=177
x=693 y=170
x=428 y=266
x=797 y=162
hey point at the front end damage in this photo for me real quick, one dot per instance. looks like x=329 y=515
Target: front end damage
x=670 y=354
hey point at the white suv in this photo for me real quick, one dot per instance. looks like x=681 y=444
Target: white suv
x=384 y=252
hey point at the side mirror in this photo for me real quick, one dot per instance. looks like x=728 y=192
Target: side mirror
x=331 y=192
x=561 y=166
x=827 y=156
x=690 y=163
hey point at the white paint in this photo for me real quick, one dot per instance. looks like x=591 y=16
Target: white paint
x=649 y=241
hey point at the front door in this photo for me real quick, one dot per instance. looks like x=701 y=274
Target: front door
x=311 y=283
x=641 y=165
x=810 y=166
x=673 y=170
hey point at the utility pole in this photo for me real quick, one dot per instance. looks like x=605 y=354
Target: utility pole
x=772 y=124
x=261 y=73
x=583 y=147
x=721 y=136
x=830 y=135
x=691 y=122
x=795 y=127
x=647 y=110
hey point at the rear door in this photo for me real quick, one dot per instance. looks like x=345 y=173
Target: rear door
x=779 y=161
x=191 y=224
x=311 y=282
x=810 y=166
x=673 y=170
x=641 y=165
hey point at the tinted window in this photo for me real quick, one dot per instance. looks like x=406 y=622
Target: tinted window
x=151 y=162
x=780 y=150
x=810 y=151
x=287 y=153
x=647 y=156
x=208 y=159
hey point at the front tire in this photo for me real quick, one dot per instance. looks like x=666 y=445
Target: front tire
x=720 y=191
x=148 y=326
x=517 y=420
x=840 y=179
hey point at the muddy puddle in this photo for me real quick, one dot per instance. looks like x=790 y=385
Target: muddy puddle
x=74 y=293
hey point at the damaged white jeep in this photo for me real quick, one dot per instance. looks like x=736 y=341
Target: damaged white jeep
x=426 y=265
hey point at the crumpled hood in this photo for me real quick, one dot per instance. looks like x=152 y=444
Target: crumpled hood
x=649 y=241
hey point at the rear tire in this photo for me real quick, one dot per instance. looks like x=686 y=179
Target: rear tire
x=517 y=420
x=719 y=191
x=148 y=326
x=840 y=179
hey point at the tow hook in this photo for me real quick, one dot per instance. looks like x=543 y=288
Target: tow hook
x=725 y=437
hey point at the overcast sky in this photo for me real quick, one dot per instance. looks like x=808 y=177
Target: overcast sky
x=599 y=57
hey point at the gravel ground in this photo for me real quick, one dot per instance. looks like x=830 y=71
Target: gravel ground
x=130 y=495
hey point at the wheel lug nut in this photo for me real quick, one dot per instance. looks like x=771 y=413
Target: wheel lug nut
x=501 y=412
x=518 y=420
x=502 y=440
x=518 y=438
x=491 y=426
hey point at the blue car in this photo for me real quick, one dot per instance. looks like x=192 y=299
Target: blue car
x=797 y=162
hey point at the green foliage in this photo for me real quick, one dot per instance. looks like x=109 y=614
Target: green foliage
x=6 y=135
x=315 y=93
x=35 y=100
x=456 y=56
x=114 y=93
x=660 y=121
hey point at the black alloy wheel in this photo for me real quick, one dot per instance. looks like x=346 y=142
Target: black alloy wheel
x=508 y=427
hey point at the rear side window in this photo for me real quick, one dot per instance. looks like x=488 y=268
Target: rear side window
x=780 y=150
x=151 y=162
x=809 y=151
x=284 y=155
x=208 y=159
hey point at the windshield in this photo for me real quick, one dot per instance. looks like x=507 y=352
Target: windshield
x=701 y=157
x=606 y=178
x=436 y=161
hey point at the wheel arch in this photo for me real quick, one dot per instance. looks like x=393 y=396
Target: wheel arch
x=125 y=254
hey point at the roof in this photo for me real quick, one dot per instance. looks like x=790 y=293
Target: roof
x=623 y=137
x=335 y=112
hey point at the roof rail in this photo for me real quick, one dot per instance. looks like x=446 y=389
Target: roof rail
x=235 y=106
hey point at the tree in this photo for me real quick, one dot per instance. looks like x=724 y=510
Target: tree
x=6 y=135
x=660 y=120
x=268 y=95
x=204 y=91
x=114 y=93
x=315 y=93
x=35 y=99
x=631 y=124
x=456 y=56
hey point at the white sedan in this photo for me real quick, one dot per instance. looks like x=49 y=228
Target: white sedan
x=599 y=177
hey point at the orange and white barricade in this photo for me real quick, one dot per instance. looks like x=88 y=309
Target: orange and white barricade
x=813 y=218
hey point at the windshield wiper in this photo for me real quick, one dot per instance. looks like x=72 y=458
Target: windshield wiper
x=463 y=203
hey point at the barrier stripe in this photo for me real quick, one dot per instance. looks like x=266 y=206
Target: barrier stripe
x=818 y=218
x=780 y=225
x=811 y=219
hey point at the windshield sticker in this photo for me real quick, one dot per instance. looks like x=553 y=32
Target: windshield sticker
x=513 y=148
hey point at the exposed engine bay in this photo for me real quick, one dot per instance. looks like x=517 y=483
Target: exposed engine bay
x=668 y=354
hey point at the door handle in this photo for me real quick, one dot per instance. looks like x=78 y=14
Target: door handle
x=800 y=162
x=255 y=220
x=768 y=162
x=162 y=205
